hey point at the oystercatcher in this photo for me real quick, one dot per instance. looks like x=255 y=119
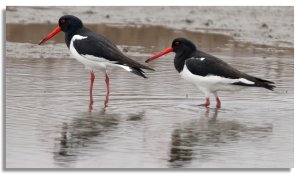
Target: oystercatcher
x=94 y=51
x=207 y=72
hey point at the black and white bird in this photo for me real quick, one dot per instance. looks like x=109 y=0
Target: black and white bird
x=94 y=51
x=208 y=73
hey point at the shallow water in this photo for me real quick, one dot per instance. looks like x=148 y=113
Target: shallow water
x=151 y=122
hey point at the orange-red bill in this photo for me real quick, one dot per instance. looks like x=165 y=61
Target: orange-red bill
x=53 y=33
x=168 y=50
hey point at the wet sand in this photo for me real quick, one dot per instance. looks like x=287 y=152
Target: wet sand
x=151 y=122
x=261 y=25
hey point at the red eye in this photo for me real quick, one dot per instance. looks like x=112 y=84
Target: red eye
x=177 y=43
x=62 y=21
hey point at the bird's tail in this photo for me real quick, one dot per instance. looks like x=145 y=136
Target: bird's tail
x=257 y=82
x=138 y=72
x=134 y=70
x=265 y=84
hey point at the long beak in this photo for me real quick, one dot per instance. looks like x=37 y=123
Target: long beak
x=168 y=50
x=50 y=35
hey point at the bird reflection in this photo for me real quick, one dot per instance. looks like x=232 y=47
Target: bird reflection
x=182 y=141
x=198 y=139
x=87 y=129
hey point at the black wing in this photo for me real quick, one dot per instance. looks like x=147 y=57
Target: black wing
x=204 y=64
x=99 y=46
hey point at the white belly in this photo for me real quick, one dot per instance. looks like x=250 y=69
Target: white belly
x=211 y=84
x=92 y=62
x=89 y=61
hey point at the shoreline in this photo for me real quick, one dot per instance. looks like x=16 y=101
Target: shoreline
x=259 y=25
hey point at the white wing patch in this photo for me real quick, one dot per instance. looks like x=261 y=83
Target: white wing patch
x=246 y=81
x=127 y=68
x=201 y=58
x=77 y=37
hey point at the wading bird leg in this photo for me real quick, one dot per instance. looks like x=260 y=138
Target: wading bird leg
x=218 y=102
x=207 y=103
x=91 y=89
x=107 y=90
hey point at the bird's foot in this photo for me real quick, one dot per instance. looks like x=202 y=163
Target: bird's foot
x=91 y=106
x=206 y=104
x=105 y=105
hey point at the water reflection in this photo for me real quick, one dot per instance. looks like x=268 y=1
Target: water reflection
x=53 y=95
x=78 y=137
x=200 y=139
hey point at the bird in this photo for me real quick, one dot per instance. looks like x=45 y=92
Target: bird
x=207 y=72
x=94 y=51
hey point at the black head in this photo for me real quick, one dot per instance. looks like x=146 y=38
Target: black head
x=180 y=45
x=69 y=23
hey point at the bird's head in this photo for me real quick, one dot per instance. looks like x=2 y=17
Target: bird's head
x=179 y=46
x=67 y=24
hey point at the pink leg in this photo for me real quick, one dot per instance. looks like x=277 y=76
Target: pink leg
x=218 y=102
x=107 y=90
x=207 y=102
x=91 y=89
